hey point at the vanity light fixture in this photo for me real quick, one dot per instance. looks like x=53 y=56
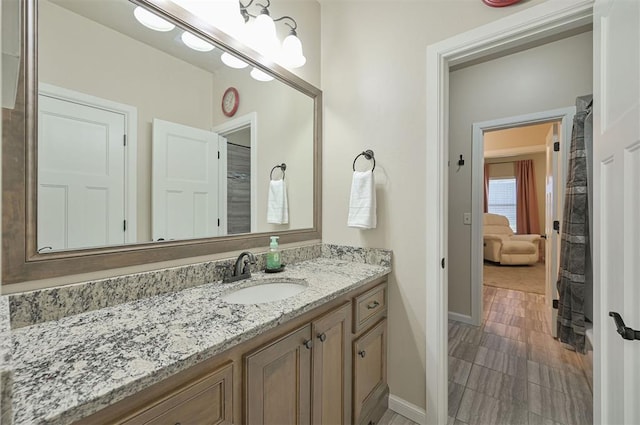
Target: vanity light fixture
x=291 y=55
x=261 y=35
x=196 y=43
x=260 y=75
x=232 y=61
x=151 y=20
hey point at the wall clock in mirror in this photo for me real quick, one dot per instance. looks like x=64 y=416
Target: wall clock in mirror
x=230 y=101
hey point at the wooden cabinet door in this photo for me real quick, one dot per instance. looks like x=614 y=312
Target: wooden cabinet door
x=331 y=404
x=278 y=381
x=206 y=401
x=369 y=367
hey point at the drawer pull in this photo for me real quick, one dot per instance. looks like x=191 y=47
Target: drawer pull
x=362 y=353
x=373 y=305
x=322 y=337
x=307 y=344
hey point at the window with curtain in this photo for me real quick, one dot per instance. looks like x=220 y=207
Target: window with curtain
x=502 y=198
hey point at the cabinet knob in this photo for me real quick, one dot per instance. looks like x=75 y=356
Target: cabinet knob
x=322 y=337
x=362 y=353
x=307 y=344
x=373 y=305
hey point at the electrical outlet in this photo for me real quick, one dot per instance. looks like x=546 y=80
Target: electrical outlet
x=466 y=218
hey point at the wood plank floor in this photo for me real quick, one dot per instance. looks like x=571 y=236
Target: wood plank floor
x=511 y=371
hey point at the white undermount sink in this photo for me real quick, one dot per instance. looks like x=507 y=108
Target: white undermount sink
x=266 y=291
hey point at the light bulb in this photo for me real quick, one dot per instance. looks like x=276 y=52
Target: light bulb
x=260 y=76
x=232 y=61
x=291 y=55
x=196 y=43
x=263 y=36
x=151 y=20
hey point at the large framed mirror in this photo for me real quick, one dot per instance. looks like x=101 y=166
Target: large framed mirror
x=125 y=146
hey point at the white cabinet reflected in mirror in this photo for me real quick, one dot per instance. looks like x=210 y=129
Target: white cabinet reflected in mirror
x=133 y=144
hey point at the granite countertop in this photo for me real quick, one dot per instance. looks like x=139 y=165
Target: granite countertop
x=67 y=369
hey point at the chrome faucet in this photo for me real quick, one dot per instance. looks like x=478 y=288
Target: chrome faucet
x=242 y=267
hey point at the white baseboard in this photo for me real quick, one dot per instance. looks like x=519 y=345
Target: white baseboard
x=461 y=318
x=408 y=410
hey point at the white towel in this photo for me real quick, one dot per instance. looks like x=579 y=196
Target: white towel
x=362 y=204
x=277 y=206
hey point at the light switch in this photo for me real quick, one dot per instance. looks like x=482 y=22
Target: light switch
x=466 y=218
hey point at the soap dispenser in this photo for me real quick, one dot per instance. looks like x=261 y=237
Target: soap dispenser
x=273 y=256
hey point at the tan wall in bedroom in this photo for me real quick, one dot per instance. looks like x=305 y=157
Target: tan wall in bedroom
x=519 y=137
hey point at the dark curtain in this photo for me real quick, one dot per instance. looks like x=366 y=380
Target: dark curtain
x=574 y=245
x=527 y=217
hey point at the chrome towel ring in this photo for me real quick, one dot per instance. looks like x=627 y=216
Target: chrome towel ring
x=282 y=167
x=368 y=154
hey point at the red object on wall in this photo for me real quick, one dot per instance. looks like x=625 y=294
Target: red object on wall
x=499 y=3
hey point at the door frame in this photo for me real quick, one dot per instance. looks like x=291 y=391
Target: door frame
x=131 y=153
x=565 y=116
x=247 y=120
x=519 y=29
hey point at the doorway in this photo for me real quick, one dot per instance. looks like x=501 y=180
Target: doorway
x=509 y=366
x=514 y=31
x=556 y=125
x=239 y=169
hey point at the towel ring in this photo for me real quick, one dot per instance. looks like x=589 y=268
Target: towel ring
x=368 y=154
x=282 y=166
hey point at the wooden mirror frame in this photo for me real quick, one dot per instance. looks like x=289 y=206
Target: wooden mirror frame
x=20 y=260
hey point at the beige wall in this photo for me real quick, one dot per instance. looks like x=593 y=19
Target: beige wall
x=506 y=168
x=374 y=83
x=543 y=78
x=162 y=86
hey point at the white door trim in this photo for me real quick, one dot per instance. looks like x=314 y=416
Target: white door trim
x=536 y=23
x=565 y=115
x=131 y=125
x=250 y=119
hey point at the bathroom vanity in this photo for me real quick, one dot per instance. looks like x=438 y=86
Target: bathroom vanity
x=189 y=357
x=300 y=372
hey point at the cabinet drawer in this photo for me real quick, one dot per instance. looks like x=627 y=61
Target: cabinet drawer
x=369 y=307
x=206 y=401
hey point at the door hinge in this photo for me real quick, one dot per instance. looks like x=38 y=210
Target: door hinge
x=124 y=225
x=124 y=140
x=556 y=226
x=218 y=154
x=555 y=304
x=218 y=222
x=442 y=263
x=556 y=146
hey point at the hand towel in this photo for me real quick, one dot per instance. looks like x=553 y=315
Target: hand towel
x=277 y=206
x=362 y=204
